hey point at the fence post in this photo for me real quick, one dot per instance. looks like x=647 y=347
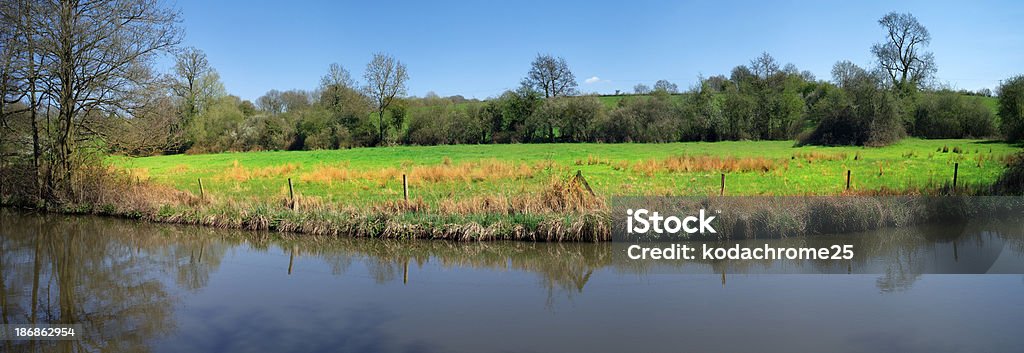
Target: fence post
x=581 y=180
x=847 y=180
x=291 y=194
x=405 y=187
x=291 y=259
x=721 y=191
x=956 y=170
x=201 y=194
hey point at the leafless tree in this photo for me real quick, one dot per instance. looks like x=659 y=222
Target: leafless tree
x=92 y=56
x=385 y=80
x=666 y=86
x=764 y=66
x=197 y=84
x=641 y=89
x=551 y=76
x=337 y=76
x=901 y=55
x=843 y=72
x=271 y=102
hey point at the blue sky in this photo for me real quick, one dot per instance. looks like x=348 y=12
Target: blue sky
x=481 y=48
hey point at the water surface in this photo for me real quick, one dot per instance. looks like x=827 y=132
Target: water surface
x=163 y=288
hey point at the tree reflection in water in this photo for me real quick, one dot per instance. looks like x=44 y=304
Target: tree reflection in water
x=103 y=274
x=121 y=280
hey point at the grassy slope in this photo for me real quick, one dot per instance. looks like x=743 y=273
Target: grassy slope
x=912 y=163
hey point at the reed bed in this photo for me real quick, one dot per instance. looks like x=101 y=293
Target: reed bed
x=707 y=163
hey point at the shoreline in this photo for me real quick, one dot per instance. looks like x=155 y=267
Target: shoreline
x=749 y=217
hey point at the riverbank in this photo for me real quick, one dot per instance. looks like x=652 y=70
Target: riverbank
x=472 y=196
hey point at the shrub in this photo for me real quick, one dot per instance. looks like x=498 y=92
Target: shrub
x=1011 y=107
x=947 y=114
x=863 y=114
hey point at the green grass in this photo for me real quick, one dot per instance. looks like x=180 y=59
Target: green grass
x=611 y=169
x=992 y=103
x=612 y=102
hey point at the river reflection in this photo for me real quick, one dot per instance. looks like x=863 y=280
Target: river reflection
x=161 y=288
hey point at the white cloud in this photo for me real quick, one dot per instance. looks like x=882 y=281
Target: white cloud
x=592 y=79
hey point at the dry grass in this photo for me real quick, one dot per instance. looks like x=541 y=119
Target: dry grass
x=593 y=160
x=239 y=173
x=559 y=197
x=327 y=174
x=814 y=156
x=178 y=169
x=138 y=173
x=476 y=171
x=705 y=163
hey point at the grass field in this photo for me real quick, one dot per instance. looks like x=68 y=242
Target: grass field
x=367 y=176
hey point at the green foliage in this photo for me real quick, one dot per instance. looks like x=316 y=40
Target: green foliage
x=948 y=114
x=643 y=119
x=1011 y=107
x=440 y=124
x=862 y=114
x=214 y=130
x=611 y=169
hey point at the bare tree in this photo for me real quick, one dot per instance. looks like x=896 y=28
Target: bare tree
x=764 y=66
x=93 y=56
x=641 y=89
x=337 y=76
x=666 y=86
x=901 y=55
x=385 y=80
x=551 y=76
x=843 y=72
x=271 y=102
x=197 y=84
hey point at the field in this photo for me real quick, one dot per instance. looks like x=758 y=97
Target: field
x=370 y=176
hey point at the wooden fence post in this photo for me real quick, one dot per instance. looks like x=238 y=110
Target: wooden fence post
x=581 y=180
x=405 y=187
x=847 y=180
x=201 y=194
x=721 y=191
x=956 y=170
x=291 y=259
x=291 y=194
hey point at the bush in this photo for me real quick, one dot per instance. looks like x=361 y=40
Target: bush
x=443 y=124
x=643 y=119
x=862 y=114
x=1011 y=107
x=948 y=114
x=574 y=118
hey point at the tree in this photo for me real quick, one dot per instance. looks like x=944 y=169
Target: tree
x=337 y=76
x=901 y=54
x=665 y=86
x=271 y=102
x=641 y=89
x=551 y=76
x=96 y=53
x=196 y=83
x=844 y=72
x=764 y=66
x=1011 y=107
x=385 y=80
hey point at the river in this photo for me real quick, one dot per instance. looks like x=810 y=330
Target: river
x=145 y=287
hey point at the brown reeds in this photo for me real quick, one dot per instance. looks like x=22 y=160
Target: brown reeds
x=706 y=163
x=239 y=173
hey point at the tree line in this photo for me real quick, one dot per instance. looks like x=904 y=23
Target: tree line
x=760 y=100
x=77 y=82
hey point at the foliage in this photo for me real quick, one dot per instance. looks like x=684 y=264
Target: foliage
x=948 y=114
x=1011 y=107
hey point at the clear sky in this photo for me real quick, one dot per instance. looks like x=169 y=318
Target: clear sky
x=481 y=48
